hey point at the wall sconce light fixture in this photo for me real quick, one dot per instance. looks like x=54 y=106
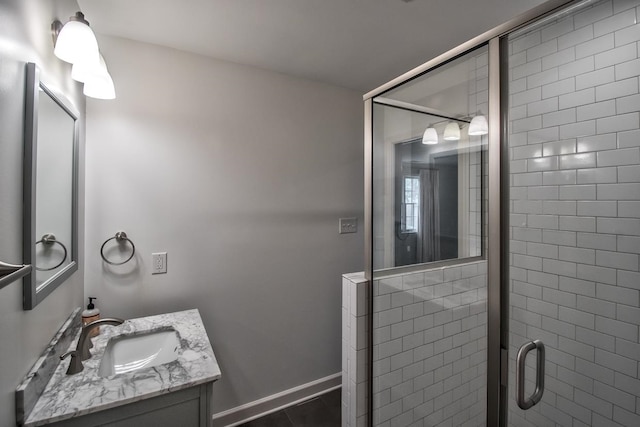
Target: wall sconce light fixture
x=75 y=42
x=96 y=78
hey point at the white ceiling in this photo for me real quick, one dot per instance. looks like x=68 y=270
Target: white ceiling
x=357 y=44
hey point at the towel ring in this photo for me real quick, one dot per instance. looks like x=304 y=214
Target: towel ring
x=50 y=240
x=120 y=237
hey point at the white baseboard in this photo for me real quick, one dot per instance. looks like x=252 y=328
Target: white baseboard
x=275 y=402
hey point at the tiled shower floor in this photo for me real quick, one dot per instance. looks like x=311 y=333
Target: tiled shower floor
x=322 y=411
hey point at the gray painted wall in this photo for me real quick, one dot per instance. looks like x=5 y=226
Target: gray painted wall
x=240 y=175
x=25 y=37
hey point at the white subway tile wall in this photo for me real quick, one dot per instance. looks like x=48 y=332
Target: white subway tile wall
x=355 y=354
x=574 y=150
x=430 y=347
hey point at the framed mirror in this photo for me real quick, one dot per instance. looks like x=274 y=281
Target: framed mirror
x=50 y=238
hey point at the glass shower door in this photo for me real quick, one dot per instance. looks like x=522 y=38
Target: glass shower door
x=429 y=274
x=574 y=203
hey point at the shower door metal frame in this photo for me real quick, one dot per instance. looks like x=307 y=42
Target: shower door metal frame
x=497 y=202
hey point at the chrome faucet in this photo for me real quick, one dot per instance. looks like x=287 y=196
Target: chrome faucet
x=82 y=349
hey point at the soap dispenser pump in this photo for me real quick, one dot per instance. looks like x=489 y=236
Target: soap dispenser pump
x=90 y=314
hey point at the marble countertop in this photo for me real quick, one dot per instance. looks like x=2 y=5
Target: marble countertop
x=68 y=396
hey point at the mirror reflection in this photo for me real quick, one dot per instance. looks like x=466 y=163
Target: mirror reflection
x=54 y=185
x=429 y=138
x=50 y=190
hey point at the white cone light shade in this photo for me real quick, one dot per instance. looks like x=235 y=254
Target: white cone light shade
x=101 y=87
x=478 y=126
x=84 y=71
x=430 y=136
x=452 y=132
x=76 y=43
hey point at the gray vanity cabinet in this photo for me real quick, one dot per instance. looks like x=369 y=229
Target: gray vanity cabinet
x=176 y=393
x=190 y=407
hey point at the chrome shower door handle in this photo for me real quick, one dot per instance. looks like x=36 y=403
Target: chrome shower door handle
x=520 y=366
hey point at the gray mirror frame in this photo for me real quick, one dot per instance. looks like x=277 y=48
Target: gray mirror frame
x=31 y=295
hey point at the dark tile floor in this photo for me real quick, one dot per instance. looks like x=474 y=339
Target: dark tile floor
x=322 y=411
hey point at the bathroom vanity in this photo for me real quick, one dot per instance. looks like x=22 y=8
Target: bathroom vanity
x=119 y=387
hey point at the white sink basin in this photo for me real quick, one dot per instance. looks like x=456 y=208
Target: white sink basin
x=131 y=353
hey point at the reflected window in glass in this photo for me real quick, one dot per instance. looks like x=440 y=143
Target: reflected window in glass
x=411 y=204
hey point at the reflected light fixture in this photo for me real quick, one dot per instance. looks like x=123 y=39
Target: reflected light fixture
x=478 y=126
x=452 y=132
x=75 y=41
x=430 y=136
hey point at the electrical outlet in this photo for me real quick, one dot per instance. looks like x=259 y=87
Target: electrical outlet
x=159 y=263
x=348 y=225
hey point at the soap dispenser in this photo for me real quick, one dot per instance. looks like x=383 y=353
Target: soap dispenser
x=91 y=314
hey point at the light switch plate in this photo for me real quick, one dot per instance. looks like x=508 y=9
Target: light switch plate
x=159 y=263
x=348 y=225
